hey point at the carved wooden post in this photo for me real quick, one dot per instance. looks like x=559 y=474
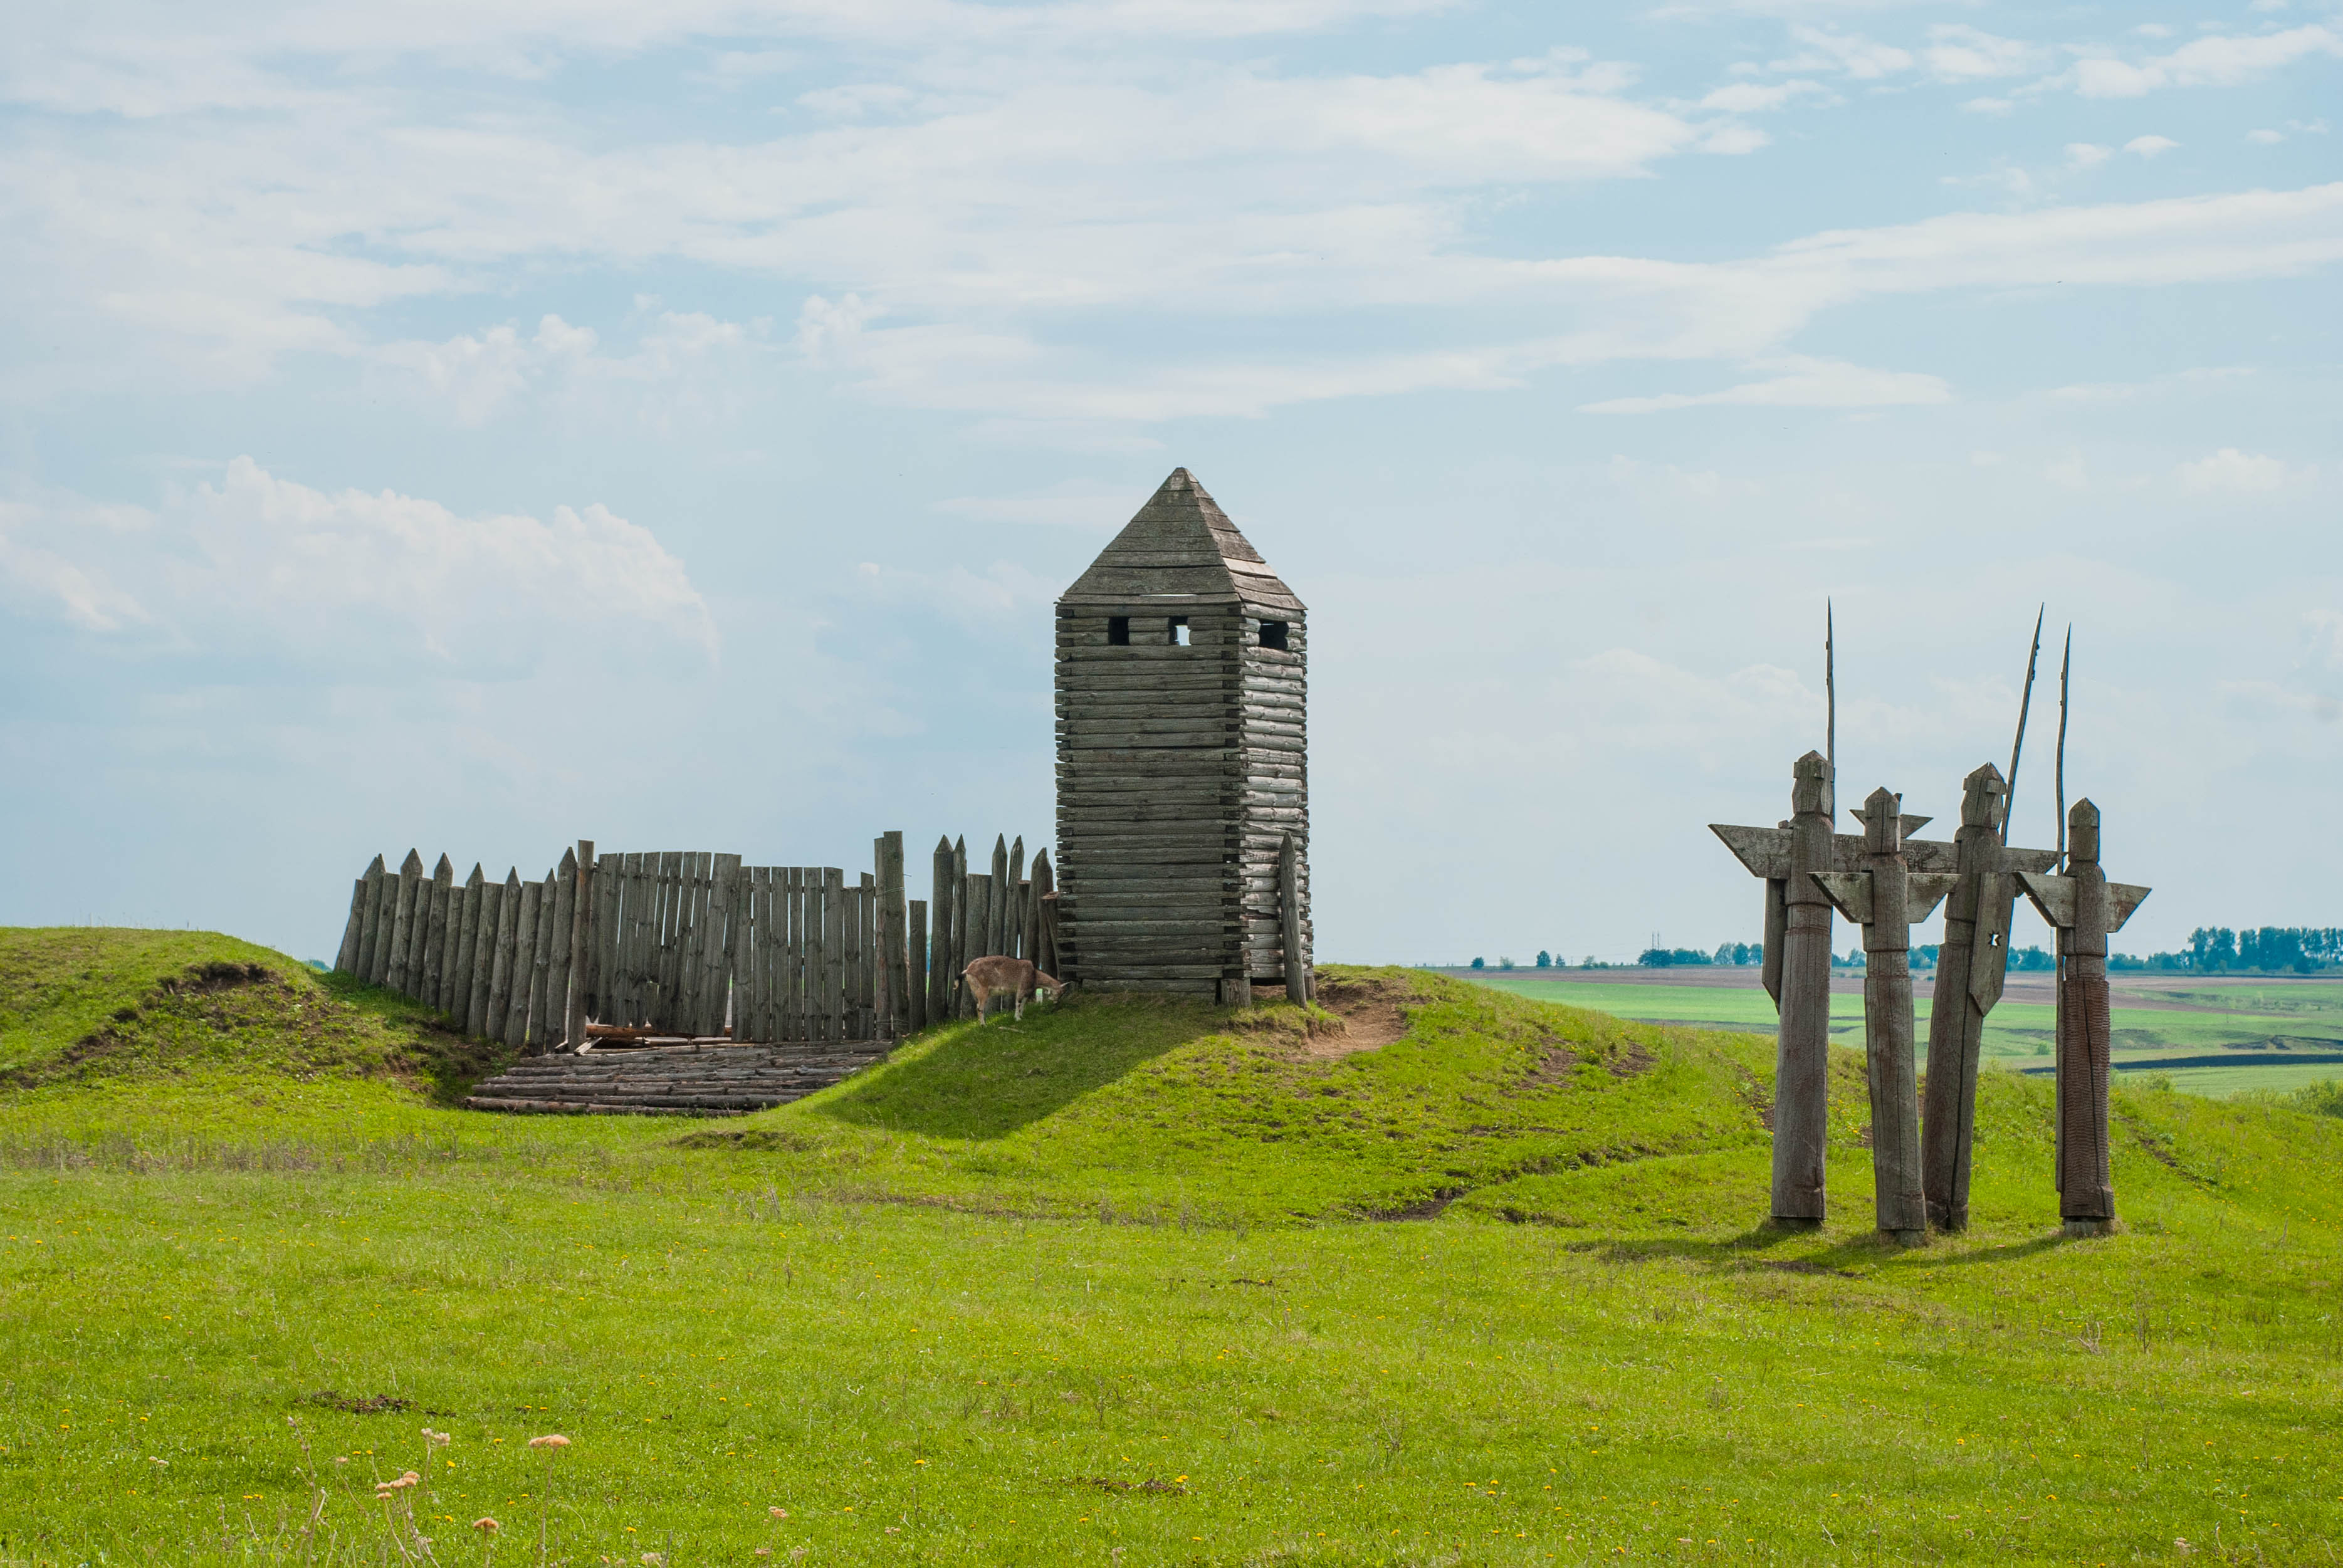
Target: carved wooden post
x=1970 y=966
x=1802 y=1053
x=1884 y=898
x=2086 y=908
x=1797 y=973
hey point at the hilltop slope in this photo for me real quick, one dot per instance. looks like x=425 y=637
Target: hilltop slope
x=1119 y=1280
x=83 y=1005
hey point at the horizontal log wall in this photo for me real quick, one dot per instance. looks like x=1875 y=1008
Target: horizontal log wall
x=1180 y=768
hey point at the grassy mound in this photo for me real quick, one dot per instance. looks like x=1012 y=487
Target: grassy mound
x=1431 y=1275
x=80 y=1004
x=1164 y=1108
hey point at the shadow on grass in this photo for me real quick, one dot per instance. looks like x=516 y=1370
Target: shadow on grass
x=991 y=1079
x=1848 y=1258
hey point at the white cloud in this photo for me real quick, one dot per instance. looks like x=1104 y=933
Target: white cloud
x=2085 y=155
x=1755 y=97
x=2218 y=61
x=2265 y=137
x=41 y=536
x=1957 y=53
x=2232 y=472
x=1735 y=141
x=255 y=562
x=118 y=56
x=1855 y=56
x=478 y=377
x=1069 y=503
x=1801 y=383
x=1988 y=106
x=2201 y=378
x=959 y=260
x=2150 y=146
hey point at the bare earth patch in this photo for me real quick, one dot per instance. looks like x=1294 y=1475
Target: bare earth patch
x=1371 y=1014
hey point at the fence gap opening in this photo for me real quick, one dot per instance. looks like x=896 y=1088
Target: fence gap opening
x=1179 y=632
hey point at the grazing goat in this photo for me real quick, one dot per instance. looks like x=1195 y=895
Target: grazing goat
x=997 y=977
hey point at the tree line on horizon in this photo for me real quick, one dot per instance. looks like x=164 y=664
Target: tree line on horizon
x=2211 y=949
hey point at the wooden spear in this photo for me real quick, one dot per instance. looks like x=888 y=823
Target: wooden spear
x=2018 y=747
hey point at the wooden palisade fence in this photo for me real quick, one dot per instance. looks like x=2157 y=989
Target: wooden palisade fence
x=695 y=944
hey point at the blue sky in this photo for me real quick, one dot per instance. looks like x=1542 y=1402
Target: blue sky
x=478 y=425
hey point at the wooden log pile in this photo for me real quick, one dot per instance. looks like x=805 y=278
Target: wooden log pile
x=674 y=1080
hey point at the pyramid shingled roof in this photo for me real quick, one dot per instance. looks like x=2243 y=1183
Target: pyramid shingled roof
x=1181 y=545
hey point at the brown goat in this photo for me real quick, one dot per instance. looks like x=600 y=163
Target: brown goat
x=997 y=977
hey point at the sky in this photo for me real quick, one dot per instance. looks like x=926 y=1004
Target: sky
x=480 y=425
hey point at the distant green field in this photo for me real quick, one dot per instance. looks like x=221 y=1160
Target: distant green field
x=2249 y=1020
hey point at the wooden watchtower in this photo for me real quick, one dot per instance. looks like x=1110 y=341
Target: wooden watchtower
x=1182 y=759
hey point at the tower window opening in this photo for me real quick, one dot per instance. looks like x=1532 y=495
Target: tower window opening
x=1273 y=633
x=1118 y=630
x=1179 y=631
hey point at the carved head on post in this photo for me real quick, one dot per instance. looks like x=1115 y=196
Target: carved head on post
x=2083 y=832
x=1810 y=785
x=1883 y=822
x=1981 y=796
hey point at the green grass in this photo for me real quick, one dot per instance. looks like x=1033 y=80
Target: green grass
x=1107 y=1287
x=83 y=1005
x=2247 y=1019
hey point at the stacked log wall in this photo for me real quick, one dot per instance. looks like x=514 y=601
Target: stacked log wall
x=1274 y=786
x=1146 y=828
x=1179 y=769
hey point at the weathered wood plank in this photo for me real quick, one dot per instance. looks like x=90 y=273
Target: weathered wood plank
x=915 y=994
x=1052 y=959
x=941 y=891
x=514 y=964
x=402 y=929
x=434 y=935
x=503 y=960
x=748 y=958
x=862 y=902
x=346 y=956
x=533 y=959
x=382 y=888
x=963 y=918
x=834 y=929
x=716 y=944
x=484 y=958
x=458 y=1003
x=565 y=1020
x=898 y=982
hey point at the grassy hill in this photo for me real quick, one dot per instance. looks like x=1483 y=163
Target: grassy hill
x=1429 y=1275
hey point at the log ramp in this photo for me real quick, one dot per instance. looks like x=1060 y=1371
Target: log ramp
x=688 y=1078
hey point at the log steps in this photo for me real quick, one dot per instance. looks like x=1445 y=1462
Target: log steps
x=673 y=1080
